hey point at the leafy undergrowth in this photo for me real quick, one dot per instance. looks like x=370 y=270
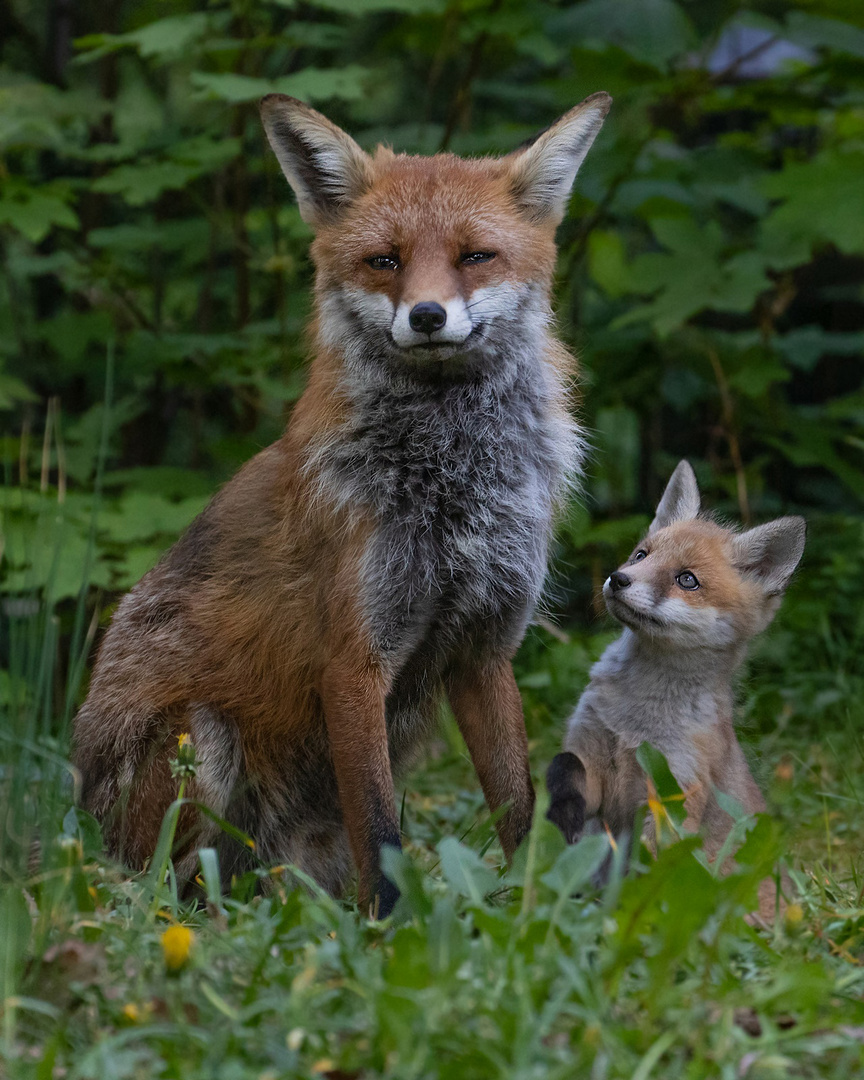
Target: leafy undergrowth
x=532 y=973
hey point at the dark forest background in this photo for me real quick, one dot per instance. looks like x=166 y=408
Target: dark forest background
x=155 y=275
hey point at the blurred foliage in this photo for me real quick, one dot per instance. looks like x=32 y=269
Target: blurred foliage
x=711 y=272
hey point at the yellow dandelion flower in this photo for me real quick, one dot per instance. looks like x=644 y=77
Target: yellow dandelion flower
x=131 y=1013
x=182 y=740
x=177 y=942
x=250 y=843
x=794 y=916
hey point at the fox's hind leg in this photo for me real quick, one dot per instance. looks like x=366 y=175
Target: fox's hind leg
x=566 y=783
x=125 y=767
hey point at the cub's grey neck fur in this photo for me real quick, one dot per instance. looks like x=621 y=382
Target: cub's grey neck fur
x=651 y=689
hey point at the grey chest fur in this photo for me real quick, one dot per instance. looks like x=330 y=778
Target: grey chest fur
x=462 y=478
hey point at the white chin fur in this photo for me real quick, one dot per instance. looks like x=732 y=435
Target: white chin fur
x=454 y=331
x=672 y=618
x=343 y=308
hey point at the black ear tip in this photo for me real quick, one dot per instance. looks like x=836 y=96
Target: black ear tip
x=276 y=101
x=600 y=101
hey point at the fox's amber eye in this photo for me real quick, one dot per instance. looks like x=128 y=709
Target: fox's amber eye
x=687 y=580
x=471 y=258
x=383 y=262
x=640 y=555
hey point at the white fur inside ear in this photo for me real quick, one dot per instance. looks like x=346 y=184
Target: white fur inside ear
x=680 y=501
x=543 y=174
x=322 y=163
x=770 y=553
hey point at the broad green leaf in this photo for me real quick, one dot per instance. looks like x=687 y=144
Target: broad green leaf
x=657 y=767
x=692 y=275
x=812 y=443
x=806 y=345
x=143 y=182
x=651 y=31
x=821 y=203
x=465 y=872
x=140 y=515
x=668 y=905
x=135 y=561
x=13 y=392
x=140 y=184
x=33 y=211
x=57 y=559
x=310 y=84
x=165 y=480
x=165 y=39
x=757 y=376
x=576 y=865
x=409 y=879
x=70 y=333
x=608 y=262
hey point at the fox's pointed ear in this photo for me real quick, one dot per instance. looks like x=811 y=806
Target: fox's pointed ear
x=323 y=164
x=769 y=553
x=680 y=501
x=542 y=173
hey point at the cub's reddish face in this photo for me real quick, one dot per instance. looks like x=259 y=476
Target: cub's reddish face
x=680 y=583
x=696 y=584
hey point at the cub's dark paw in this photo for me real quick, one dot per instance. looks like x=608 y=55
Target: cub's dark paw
x=565 y=782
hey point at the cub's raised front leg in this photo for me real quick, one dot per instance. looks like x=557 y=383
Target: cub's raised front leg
x=566 y=782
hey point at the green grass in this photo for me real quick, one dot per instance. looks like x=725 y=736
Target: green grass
x=480 y=972
x=476 y=975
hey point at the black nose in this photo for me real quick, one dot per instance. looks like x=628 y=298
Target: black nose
x=619 y=581
x=427 y=317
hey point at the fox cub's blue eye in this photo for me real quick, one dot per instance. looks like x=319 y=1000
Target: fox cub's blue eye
x=474 y=257
x=640 y=554
x=687 y=580
x=383 y=262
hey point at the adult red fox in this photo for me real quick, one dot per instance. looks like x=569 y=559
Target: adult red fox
x=387 y=551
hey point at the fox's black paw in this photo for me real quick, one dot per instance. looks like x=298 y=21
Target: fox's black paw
x=385 y=899
x=565 y=781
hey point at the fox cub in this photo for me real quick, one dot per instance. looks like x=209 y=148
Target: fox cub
x=690 y=597
x=387 y=551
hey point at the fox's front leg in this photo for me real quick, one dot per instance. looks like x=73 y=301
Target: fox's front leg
x=353 y=695
x=566 y=783
x=488 y=709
